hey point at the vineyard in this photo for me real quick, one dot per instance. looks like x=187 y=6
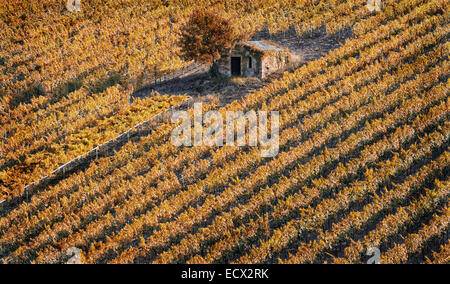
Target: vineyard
x=62 y=72
x=363 y=157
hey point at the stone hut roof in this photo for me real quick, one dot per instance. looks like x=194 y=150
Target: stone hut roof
x=263 y=46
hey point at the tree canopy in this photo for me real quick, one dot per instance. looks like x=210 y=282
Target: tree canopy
x=206 y=36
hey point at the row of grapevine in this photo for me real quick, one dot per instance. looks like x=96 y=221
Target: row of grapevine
x=393 y=223
x=235 y=191
x=285 y=206
x=311 y=217
x=416 y=242
x=288 y=157
x=31 y=127
x=442 y=256
x=72 y=140
x=351 y=123
x=65 y=46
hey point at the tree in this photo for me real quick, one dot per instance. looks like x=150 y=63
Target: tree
x=206 y=37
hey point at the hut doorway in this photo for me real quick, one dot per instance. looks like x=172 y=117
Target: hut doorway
x=235 y=66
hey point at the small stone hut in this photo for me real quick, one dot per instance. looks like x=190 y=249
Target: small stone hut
x=254 y=59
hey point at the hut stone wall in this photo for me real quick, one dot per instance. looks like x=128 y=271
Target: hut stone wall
x=253 y=62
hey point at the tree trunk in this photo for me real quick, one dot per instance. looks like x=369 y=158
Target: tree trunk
x=214 y=69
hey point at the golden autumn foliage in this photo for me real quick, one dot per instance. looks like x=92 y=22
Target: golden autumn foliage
x=364 y=159
x=206 y=36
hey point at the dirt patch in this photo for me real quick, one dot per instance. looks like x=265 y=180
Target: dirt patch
x=311 y=45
